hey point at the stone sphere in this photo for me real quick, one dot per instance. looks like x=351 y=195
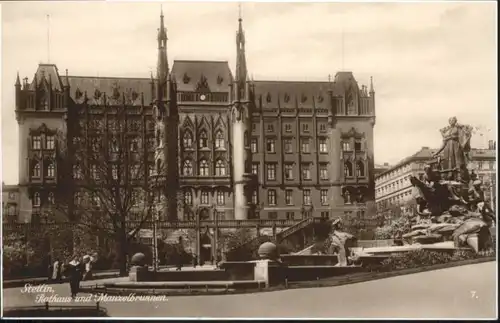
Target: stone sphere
x=268 y=250
x=139 y=259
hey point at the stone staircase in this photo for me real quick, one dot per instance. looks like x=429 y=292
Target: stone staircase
x=241 y=250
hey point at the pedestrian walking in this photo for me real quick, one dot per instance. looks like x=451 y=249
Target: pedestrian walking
x=75 y=271
x=87 y=261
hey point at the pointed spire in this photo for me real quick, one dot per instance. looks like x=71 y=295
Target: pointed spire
x=162 y=65
x=241 y=64
x=18 y=80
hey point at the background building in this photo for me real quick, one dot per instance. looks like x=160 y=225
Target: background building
x=223 y=144
x=393 y=187
x=10 y=203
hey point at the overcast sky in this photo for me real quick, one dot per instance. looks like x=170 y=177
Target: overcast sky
x=429 y=61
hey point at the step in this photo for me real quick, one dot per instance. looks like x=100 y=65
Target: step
x=236 y=284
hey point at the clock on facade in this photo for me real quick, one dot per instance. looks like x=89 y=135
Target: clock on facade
x=202 y=97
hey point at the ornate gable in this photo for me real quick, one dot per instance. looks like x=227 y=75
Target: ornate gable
x=352 y=133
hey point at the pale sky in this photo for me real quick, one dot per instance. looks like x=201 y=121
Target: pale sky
x=429 y=61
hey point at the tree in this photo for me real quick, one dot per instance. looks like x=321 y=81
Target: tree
x=110 y=178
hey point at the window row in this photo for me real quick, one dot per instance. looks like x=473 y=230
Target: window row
x=49 y=142
x=205 y=198
x=49 y=170
x=97 y=173
x=288 y=127
x=305 y=170
x=203 y=168
x=115 y=145
x=288 y=198
x=288 y=144
x=349 y=169
x=37 y=201
x=187 y=140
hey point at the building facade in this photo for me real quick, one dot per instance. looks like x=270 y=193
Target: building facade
x=393 y=187
x=10 y=203
x=224 y=144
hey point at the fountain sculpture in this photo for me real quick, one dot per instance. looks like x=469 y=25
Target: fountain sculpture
x=450 y=201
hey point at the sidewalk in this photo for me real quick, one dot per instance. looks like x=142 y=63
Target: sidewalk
x=101 y=274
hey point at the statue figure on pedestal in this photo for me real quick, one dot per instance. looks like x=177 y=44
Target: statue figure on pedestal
x=455 y=149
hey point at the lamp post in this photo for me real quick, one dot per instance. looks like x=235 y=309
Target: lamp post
x=155 y=243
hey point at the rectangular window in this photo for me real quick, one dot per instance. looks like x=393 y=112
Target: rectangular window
x=322 y=145
x=255 y=169
x=324 y=197
x=287 y=146
x=94 y=173
x=271 y=197
x=255 y=198
x=204 y=198
x=325 y=214
x=357 y=146
x=289 y=215
x=346 y=146
x=323 y=171
x=114 y=171
x=322 y=127
x=271 y=172
x=188 y=198
x=305 y=146
x=289 y=197
x=288 y=171
x=220 y=198
x=49 y=142
x=270 y=128
x=221 y=215
x=305 y=127
x=36 y=142
x=254 y=145
x=288 y=127
x=306 y=172
x=273 y=215
x=254 y=126
x=306 y=197
x=270 y=145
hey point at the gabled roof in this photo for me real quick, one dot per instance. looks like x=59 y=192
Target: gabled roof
x=290 y=92
x=48 y=72
x=81 y=84
x=191 y=74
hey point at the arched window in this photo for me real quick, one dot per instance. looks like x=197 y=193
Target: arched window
x=360 y=169
x=188 y=140
x=219 y=139
x=203 y=139
x=51 y=170
x=51 y=199
x=36 y=170
x=36 y=199
x=187 y=168
x=348 y=169
x=220 y=168
x=203 y=168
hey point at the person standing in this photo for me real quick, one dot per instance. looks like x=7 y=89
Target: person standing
x=74 y=272
x=56 y=271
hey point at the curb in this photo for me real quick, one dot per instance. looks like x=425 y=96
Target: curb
x=327 y=282
x=21 y=283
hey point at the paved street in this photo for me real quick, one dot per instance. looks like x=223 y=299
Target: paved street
x=459 y=292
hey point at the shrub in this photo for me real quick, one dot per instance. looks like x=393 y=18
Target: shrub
x=421 y=258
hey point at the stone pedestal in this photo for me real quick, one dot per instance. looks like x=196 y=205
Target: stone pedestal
x=138 y=273
x=270 y=271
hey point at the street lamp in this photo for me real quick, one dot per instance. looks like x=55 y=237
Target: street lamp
x=155 y=243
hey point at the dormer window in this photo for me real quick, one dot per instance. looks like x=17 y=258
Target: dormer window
x=268 y=98
x=186 y=79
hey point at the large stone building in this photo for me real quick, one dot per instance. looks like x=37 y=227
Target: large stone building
x=242 y=148
x=10 y=203
x=393 y=187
